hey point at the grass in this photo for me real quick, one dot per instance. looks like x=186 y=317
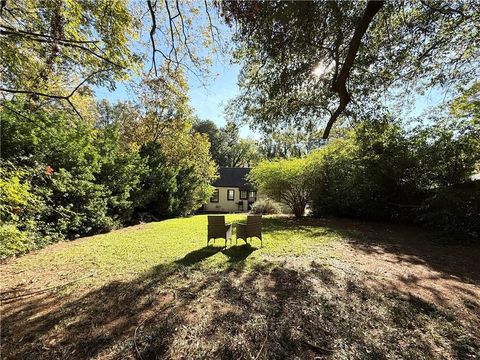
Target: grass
x=126 y=253
x=158 y=292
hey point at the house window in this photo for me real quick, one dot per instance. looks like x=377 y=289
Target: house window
x=252 y=196
x=243 y=195
x=230 y=194
x=214 y=198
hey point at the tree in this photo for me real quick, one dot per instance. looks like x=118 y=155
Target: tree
x=285 y=181
x=214 y=135
x=50 y=50
x=227 y=148
x=304 y=62
x=53 y=50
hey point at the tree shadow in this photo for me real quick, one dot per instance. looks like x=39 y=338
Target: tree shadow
x=410 y=256
x=409 y=244
x=178 y=311
x=175 y=311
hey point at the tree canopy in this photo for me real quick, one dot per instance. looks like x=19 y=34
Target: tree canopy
x=304 y=62
x=227 y=148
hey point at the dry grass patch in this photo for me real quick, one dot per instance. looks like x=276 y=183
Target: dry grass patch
x=312 y=291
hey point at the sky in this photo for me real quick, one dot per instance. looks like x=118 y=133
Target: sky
x=208 y=100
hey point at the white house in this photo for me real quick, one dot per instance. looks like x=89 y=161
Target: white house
x=233 y=193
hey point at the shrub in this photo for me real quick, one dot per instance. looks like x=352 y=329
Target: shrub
x=381 y=172
x=285 y=181
x=454 y=211
x=13 y=241
x=266 y=206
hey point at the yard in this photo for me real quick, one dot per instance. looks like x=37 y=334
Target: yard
x=326 y=288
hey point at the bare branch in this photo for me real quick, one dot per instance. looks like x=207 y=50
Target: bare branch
x=53 y=96
x=67 y=43
x=339 y=86
x=151 y=8
x=173 y=49
x=16 y=32
x=211 y=26
x=185 y=38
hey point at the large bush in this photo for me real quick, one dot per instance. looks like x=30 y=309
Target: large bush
x=370 y=173
x=455 y=211
x=266 y=206
x=285 y=181
x=63 y=177
x=379 y=171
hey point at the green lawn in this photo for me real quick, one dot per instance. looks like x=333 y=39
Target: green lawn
x=124 y=254
x=318 y=288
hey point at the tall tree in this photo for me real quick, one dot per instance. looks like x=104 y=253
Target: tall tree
x=227 y=148
x=50 y=49
x=310 y=63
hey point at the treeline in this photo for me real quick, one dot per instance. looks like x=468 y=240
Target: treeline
x=381 y=171
x=63 y=176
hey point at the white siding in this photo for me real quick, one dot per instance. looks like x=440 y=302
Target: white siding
x=225 y=205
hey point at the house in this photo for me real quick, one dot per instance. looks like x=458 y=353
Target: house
x=233 y=193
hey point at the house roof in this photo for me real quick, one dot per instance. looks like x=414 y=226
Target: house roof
x=234 y=177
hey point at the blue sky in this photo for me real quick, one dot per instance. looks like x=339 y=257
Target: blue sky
x=208 y=101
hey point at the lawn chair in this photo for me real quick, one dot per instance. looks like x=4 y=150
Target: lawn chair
x=253 y=228
x=218 y=229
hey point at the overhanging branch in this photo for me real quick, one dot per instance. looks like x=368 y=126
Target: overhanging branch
x=340 y=83
x=54 y=96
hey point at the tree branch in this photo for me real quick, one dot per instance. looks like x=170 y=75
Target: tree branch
x=152 y=33
x=339 y=86
x=53 y=96
x=172 y=32
x=16 y=32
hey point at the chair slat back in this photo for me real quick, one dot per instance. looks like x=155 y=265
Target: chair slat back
x=254 y=220
x=216 y=220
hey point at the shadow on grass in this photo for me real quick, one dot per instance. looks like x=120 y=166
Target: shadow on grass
x=199 y=255
x=409 y=244
x=177 y=311
x=238 y=253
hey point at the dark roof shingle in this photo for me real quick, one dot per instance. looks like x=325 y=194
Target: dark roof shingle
x=233 y=177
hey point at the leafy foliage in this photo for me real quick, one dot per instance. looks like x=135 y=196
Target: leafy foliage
x=285 y=181
x=293 y=54
x=379 y=171
x=266 y=206
x=227 y=148
x=52 y=49
x=69 y=177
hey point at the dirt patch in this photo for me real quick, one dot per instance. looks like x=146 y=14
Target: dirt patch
x=389 y=292
x=405 y=260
